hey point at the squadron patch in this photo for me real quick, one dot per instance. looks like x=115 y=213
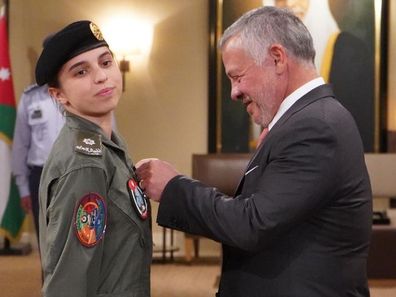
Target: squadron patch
x=90 y=219
x=138 y=198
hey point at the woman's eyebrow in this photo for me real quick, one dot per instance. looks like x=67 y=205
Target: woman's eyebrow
x=105 y=53
x=75 y=65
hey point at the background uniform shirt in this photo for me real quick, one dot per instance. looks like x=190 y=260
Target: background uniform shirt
x=38 y=123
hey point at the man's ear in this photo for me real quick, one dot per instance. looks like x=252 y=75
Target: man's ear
x=278 y=54
x=58 y=95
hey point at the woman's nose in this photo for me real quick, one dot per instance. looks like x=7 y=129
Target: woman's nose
x=100 y=75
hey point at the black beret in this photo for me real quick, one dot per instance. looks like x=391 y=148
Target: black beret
x=74 y=39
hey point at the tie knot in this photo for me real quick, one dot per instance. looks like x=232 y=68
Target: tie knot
x=262 y=136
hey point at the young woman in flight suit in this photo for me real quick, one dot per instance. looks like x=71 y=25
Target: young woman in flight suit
x=95 y=233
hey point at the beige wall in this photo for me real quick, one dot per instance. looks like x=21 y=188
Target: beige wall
x=392 y=68
x=163 y=112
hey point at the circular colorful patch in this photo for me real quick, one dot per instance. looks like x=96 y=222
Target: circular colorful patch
x=90 y=219
x=138 y=198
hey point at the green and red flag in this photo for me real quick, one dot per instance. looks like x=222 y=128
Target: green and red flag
x=11 y=213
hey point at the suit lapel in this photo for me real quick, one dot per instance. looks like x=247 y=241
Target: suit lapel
x=318 y=93
x=323 y=91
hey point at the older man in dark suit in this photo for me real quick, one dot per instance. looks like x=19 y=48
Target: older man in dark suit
x=300 y=221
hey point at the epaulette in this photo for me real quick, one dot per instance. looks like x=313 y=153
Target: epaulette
x=31 y=88
x=88 y=143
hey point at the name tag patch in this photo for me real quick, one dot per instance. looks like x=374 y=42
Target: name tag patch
x=88 y=143
x=90 y=219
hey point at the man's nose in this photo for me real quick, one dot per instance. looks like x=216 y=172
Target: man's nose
x=236 y=94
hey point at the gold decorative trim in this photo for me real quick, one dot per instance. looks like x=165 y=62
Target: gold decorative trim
x=219 y=87
x=377 y=74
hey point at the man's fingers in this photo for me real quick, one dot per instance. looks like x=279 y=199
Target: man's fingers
x=141 y=184
x=144 y=162
x=144 y=173
x=143 y=168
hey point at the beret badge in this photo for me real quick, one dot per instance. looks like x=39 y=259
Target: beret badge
x=71 y=41
x=96 y=31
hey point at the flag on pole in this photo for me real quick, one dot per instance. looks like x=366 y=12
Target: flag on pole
x=11 y=213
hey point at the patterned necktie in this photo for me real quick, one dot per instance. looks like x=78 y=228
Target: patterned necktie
x=262 y=136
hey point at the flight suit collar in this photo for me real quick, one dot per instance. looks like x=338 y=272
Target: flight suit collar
x=77 y=122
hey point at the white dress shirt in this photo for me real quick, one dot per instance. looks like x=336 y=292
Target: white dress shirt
x=293 y=97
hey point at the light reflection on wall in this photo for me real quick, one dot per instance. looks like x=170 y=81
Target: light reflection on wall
x=128 y=36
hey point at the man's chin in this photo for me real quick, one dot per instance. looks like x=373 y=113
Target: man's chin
x=255 y=117
x=256 y=120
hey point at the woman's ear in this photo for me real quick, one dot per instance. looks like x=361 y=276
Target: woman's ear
x=278 y=54
x=58 y=95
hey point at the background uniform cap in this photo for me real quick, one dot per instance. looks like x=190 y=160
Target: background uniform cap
x=69 y=42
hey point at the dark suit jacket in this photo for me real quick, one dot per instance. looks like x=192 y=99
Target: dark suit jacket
x=300 y=222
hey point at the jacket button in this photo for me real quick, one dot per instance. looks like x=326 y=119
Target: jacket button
x=141 y=241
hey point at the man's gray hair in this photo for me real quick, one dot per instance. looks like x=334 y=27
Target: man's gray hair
x=258 y=29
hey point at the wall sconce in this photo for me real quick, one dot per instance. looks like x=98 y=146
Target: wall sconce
x=129 y=38
x=124 y=67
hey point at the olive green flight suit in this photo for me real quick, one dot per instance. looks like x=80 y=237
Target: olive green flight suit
x=84 y=161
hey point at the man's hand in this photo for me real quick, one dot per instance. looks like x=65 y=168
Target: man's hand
x=26 y=203
x=154 y=175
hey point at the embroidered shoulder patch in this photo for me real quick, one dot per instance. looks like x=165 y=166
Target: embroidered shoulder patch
x=88 y=143
x=90 y=219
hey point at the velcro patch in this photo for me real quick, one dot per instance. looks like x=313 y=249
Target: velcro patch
x=138 y=198
x=88 y=143
x=90 y=219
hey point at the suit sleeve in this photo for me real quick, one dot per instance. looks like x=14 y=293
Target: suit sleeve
x=71 y=267
x=293 y=181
